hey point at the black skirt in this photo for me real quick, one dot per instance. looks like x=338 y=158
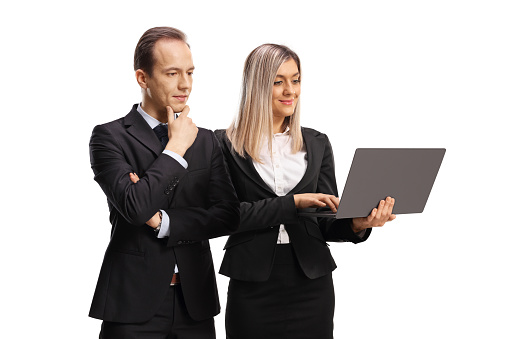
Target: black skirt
x=288 y=305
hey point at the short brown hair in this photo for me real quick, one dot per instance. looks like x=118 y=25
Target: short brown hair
x=143 y=54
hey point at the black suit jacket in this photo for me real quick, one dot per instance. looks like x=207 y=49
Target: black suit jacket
x=250 y=250
x=200 y=201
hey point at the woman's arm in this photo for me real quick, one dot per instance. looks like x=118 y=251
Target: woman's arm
x=340 y=230
x=356 y=229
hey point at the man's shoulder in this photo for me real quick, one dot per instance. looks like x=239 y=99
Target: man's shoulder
x=206 y=138
x=119 y=123
x=112 y=124
x=205 y=132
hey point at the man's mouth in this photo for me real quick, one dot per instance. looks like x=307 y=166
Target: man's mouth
x=180 y=97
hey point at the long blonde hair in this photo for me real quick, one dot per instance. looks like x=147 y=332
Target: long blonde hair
x=253 y=122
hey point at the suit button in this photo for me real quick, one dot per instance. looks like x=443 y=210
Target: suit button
x=167 y=191
x=179 y=242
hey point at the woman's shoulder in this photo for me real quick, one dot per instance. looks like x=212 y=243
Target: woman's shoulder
x=306 y=131
x=221 y=135
x=224 y=141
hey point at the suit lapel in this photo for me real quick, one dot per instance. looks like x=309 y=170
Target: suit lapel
x=139 y=129
x=314 y=150
x=314 y=153
x=246 y=165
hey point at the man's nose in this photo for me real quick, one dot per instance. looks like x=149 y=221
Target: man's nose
x=185 y=82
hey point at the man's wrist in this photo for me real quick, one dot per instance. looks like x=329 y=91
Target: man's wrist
x=175 y=148
x=158 y=227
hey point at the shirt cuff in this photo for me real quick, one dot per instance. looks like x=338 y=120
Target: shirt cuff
x=165 y=226
x=177 y=157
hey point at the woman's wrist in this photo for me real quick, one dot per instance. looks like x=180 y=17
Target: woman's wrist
x=357 y=225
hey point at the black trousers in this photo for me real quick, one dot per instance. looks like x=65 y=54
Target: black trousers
x=288 y=305
x=170 y=322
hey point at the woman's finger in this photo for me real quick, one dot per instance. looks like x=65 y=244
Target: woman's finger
x=381 y=206
x=327 y=200
x=372 y=215
x=391 y=205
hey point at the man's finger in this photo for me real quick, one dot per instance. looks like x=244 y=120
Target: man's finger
x=171 y=114
x=133 y=177
x=185 y=112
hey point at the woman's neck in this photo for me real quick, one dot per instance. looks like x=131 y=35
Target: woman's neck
x=278 y=125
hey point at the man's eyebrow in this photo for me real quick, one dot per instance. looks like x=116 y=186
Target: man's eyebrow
x=176 y=69
x=281 y=76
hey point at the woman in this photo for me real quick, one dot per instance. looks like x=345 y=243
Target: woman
x=279 y=263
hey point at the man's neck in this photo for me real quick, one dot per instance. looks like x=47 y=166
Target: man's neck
x=153 y=112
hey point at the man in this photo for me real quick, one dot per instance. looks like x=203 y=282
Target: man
x=157 y=279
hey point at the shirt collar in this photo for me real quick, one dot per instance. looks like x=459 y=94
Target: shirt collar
x=285 y=132
x=151 y=121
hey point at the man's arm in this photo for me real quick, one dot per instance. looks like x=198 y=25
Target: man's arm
x=137 y=203
x=221 y=217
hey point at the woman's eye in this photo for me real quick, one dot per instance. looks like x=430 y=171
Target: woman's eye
x=277 y=83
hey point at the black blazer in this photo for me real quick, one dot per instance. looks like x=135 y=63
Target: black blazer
x=250 y=250
x=200 y=201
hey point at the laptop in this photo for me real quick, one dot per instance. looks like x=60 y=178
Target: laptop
x=406 y=174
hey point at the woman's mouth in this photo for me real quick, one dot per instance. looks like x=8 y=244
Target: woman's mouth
x=286 y=102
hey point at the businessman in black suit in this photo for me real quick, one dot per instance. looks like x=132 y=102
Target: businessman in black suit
x=157 y=279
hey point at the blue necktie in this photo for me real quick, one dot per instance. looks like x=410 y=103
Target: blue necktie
x=162 y=133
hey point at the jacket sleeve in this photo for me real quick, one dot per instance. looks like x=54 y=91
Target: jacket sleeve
x=220 y=218
x=339 y=230
x=267 y=212
x=137 y=203
x=263 y=213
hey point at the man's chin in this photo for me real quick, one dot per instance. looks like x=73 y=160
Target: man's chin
x=177 y=108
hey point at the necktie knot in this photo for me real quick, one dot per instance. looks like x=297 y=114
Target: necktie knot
x=162 y=133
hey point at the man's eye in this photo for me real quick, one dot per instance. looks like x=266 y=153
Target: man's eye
x=172 y=74
x=190 y=73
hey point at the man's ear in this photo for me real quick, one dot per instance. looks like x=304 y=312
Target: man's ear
x=141 y=77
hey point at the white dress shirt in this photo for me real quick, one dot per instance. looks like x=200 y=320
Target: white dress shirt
x=283 y=170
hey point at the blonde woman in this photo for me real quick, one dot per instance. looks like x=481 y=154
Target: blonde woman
x=279 y=264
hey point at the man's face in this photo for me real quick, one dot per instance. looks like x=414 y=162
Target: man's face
x=172 y=76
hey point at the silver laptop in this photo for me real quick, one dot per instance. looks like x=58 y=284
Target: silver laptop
x=406 y=174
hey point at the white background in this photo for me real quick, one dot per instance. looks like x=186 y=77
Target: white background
x=375 y=74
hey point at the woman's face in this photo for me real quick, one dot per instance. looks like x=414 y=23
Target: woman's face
x=286 y=90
